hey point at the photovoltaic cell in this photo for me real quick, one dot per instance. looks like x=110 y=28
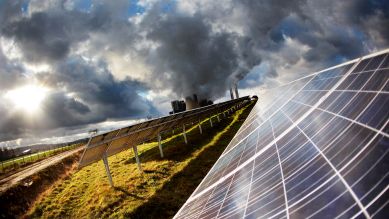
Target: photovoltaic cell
x=316 y=147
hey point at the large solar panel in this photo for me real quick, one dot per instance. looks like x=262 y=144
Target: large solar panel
x=316 y=147
x=110 y=143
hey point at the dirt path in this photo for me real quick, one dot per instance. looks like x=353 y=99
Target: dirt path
x=13 y=179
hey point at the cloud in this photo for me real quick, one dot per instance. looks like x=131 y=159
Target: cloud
x=105 y=62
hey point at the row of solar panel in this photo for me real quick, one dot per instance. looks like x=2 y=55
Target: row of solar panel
x=318 y=148
x=110 y=143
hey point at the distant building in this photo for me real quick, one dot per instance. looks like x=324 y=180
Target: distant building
x=178 y=106
x=192 y=102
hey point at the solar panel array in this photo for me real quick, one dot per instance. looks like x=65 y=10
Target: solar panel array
x=316 y=147
x=113 y=142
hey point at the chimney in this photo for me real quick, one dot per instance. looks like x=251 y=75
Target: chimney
x=236 y=90
x=191 y=102
x=231 y=93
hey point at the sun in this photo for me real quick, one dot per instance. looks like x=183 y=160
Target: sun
x=27 y=98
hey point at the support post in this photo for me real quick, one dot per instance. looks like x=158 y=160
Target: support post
x=160 y=145
x=224 y=114
x=210 y=121
x=184 y=134
x=218 y=118
x=137 y=158
x=105 y=161
x=201 y=130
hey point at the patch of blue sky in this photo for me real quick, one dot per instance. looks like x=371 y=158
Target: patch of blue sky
x=168 y=6
x=134 y=8
x=24 y=7
x=83 y=5
x=255 y=76
x=290 y=26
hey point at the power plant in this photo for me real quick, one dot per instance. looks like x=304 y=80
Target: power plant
x=191 y=102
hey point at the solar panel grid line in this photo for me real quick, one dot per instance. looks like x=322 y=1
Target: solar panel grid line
x=374 y=200
x=307 y=113
x=374 y=97
x=251 y=180
x=336 y=171
x=348 y=119
x=248 y=119
x=355 y=91
x=273 y=167
x=227 y=190
x=109 y=145
x=324 y=70
x=328 y=145
x=253 y=112
x=224 y=197
x=373 y=187
x=343 y=64
x=268 y=118
x=307 y=164
x=206 y=203
x=273 y=112
x=210 y=171
x=282 y=174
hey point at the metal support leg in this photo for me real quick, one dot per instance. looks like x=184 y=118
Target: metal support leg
x=105 y=161
x=218 y=118
x=224 y=114
x=160 y=145
x=137 y=158
x=201 y=130
x=184 y=134
x=210 y=121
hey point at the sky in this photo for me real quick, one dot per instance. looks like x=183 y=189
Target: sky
x=68 y=66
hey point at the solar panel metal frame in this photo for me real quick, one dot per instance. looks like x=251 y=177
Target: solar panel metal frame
x=99 y=146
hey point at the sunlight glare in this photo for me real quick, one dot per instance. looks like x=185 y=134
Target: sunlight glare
x=28 y=98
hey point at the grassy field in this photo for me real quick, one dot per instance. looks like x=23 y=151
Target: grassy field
x=21 y=161
x=157 y=193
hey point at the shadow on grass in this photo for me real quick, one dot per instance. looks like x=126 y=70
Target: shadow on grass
x=167 y=201
x=124 y=190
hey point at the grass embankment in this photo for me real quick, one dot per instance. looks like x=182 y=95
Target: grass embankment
x=22 y=161
x=157 y=193
x=15 y=201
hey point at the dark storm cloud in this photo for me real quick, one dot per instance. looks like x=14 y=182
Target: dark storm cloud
x=49 y=36
x=201 y=52
x=196 y=60
x=11 y=73
x=95 y=94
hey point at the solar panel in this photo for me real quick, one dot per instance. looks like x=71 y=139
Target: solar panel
x=104 y=145
x=316 y=147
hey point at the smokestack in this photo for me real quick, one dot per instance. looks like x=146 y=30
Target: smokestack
x=191 y=103
x=231 y=93
x=236 y=90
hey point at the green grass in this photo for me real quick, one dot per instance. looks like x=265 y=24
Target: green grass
x=159 y=192
x=20 y=161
